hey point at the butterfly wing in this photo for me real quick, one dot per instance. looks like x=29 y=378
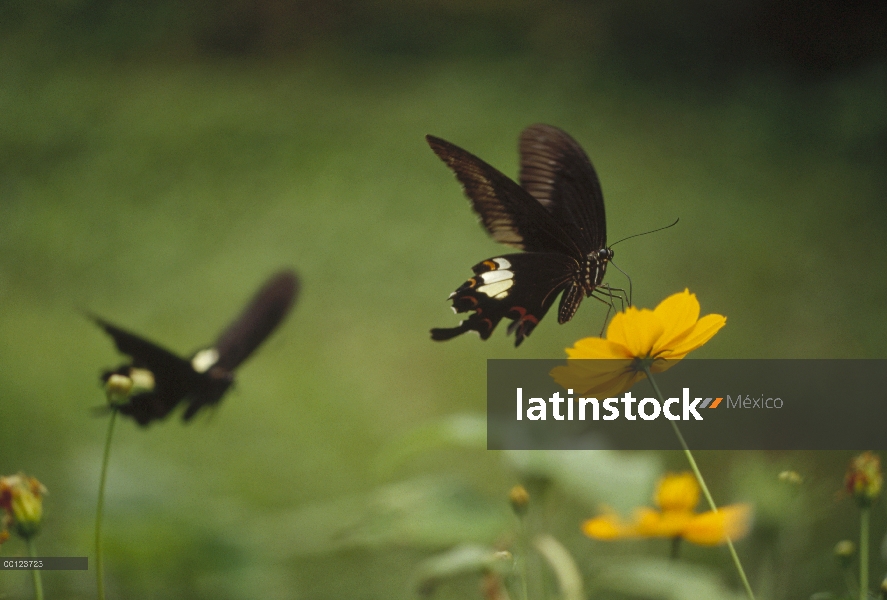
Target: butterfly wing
x=521 y=287
x=173 y=376
x=556 y=171
x=510 y=214
x=260 y=317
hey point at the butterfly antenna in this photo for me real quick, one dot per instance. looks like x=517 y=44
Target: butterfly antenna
x=640 y=234
x=626 y=274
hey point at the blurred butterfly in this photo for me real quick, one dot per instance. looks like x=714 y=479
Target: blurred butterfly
x=204 y=379
x=555 y=215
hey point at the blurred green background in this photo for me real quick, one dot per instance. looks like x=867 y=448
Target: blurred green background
x=158 y=160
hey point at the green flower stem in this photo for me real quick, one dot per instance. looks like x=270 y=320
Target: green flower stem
x=704 y=487
x=100 y=505
x=864 y=513
x=523 y=535
x=35 y=573
x=675 y=548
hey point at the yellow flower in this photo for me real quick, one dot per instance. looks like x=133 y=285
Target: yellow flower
x=676 y=496
x=635 y=339
x=22 y=499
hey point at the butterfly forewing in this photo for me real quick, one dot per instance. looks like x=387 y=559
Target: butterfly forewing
x=260 y=317
x=556 y=171
x=509 y=213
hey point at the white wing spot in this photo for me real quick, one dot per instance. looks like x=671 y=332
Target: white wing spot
x=503 y=264
x=499 y=287
x=205 y=359
x=494 y=276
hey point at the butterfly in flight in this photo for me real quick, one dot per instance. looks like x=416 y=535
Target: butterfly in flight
x=204 y=379
x=555 y=215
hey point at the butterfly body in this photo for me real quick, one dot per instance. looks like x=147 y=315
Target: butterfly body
x=555 y=215
x=203 y=379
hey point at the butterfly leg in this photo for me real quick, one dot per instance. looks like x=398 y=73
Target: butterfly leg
x=609 y=296
x=629 y=282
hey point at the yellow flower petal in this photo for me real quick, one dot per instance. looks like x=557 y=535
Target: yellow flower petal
x=677 y=492
x=596 y=378
x=678 y=313
x=653 y=523
x=700 y=333
x=713 y=528
x=606 y=527
x=637 y=330
x=595 y=347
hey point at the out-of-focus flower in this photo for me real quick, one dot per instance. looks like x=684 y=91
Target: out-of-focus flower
x=864 y=479
x=845 y=550
x=637 y=339
x=118 y=388
x=676 y=498
x=21 y=498
x=520 y=499
x=791 y=477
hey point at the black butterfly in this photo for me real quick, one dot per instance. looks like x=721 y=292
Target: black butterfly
x=205 y=378
x=556 y=215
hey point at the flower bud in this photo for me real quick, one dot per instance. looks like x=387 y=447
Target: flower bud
x=22 y=499
x=791 y=477
x=845 y=550
x=118 y=387
x=520 y=499
x=864 y=478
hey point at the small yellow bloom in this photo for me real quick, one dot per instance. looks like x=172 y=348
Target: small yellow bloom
x=677 y=496
x=635 y=339
x=519 y=498
x=864 y=479
x=22 y=499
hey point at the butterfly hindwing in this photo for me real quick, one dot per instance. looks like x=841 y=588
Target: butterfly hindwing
x=173 y=376
x=521 y=287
